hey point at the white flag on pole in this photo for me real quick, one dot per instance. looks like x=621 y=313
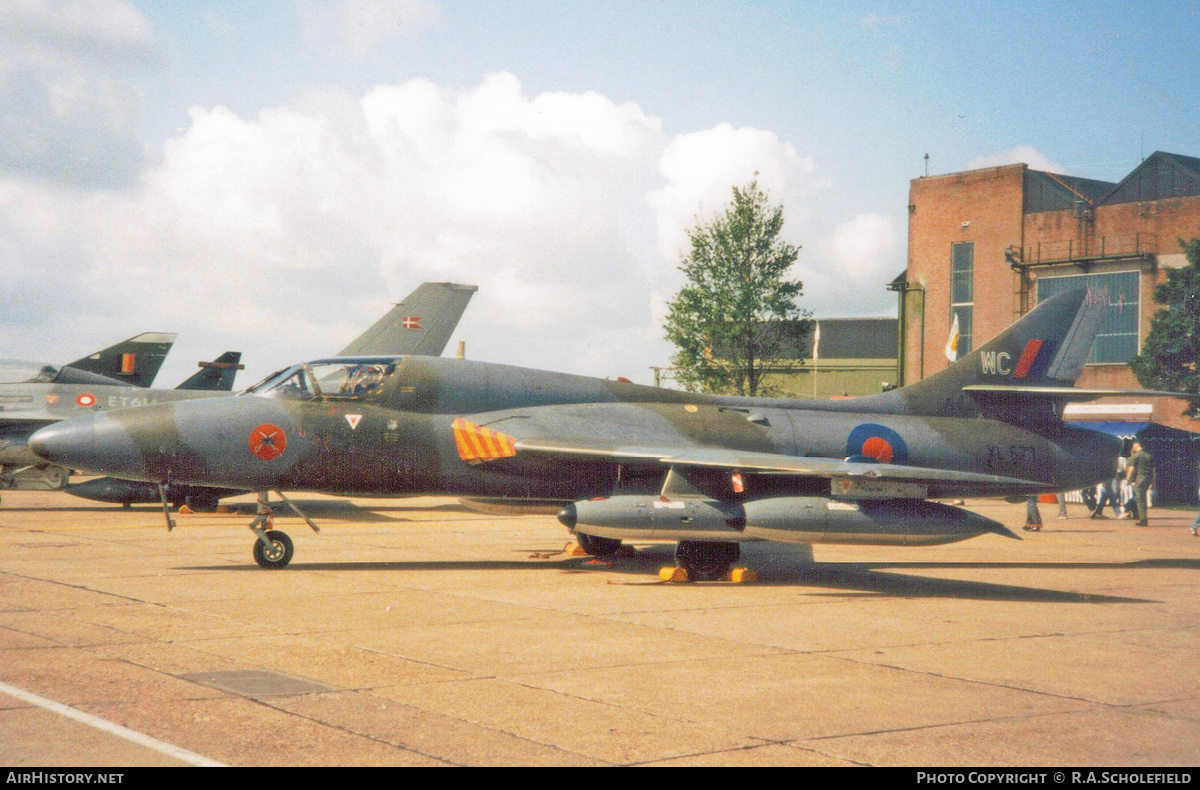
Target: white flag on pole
x=952 y=341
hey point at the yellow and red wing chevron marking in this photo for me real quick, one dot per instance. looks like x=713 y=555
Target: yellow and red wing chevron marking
x=476 y=443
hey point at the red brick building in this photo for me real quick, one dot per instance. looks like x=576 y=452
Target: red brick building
x=987 y=245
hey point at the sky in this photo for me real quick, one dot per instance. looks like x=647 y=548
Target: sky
x=270 y=176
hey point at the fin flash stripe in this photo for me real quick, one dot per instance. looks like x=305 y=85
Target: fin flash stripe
x=1027 y=358
x=475 y=443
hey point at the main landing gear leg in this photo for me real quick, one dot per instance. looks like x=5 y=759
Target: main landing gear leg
x=274 y=549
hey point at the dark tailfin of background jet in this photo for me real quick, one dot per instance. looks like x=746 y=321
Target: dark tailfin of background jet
x=421 y=324
x=215 y=376
x=134 y=361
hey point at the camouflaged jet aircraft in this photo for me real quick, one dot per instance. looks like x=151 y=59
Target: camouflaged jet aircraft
x=420 y=324
x=631 y=462
x=33 y=396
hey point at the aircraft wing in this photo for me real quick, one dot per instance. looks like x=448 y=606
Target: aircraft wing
x=941 y=480
x=421 y=324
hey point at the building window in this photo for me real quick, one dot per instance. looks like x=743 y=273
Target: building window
x=962 y=292
x=1118 y=338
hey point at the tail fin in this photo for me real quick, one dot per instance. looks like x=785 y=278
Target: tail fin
x=215 y=376
x=421 y=324
x=1040 y=355
x=134 y=361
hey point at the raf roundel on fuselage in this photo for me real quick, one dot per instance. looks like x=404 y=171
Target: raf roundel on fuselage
x=879 y=442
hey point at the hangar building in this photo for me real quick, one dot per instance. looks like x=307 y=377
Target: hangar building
x=985 y=246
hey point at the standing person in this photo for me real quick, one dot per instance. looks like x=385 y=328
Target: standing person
x=1140 y=472
x=1196 y=523
x=1062 y=504
x=1033 y=519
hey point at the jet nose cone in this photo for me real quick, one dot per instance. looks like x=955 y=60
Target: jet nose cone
x=62 y=442
x=93 y=443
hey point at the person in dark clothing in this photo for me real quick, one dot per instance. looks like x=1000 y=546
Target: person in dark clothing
x=1196 y=523
x=1140 y=473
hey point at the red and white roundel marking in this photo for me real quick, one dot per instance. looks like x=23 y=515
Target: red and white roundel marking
x=86 y=399
x=268 y=442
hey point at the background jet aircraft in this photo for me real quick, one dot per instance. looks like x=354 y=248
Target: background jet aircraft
x=33 y=396
x=420 y=324
x=131 y=363
x=631 y=462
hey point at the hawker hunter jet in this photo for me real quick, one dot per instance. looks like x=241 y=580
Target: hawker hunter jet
x=420 y=324
x=631 y=462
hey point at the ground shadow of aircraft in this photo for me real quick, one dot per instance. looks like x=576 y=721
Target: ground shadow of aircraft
x=876 y=579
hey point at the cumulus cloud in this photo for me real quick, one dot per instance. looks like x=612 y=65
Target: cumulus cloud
x=850 y=266
x=701 y=167
x=354 y=28
x=66 y=114
x=285 y=234
x=1021 y=154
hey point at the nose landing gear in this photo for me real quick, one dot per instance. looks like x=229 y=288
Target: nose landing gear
x=273 y=549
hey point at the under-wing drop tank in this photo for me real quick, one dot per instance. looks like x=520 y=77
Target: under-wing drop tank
x=797 y=519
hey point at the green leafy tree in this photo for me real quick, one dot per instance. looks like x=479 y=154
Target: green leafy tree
x=731 y=319
x=1171 y=354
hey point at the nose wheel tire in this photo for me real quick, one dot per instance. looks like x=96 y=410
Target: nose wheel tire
x=278 y=554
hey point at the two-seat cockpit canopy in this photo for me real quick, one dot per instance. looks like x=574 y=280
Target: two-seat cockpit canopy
x=346 y=378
